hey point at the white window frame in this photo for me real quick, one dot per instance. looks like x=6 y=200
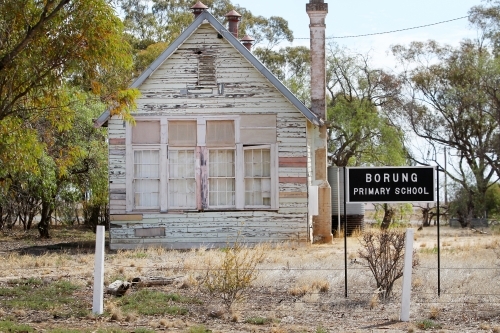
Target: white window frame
x=193 y=149
x=259 y=147
x=143 y=149
x=221 y=207
x=201 y=174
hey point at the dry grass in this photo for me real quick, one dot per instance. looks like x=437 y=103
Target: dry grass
x=484 y=326
x=322 y=285
x=434 y=312
x=299 y=290
x=313 y=275
x=374 y=301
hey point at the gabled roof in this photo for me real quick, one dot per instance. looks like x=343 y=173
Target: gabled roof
x=103 y=118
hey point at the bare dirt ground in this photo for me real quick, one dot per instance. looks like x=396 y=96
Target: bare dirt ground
x=287 y=295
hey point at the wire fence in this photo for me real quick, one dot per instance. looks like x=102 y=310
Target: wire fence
x=470 y=285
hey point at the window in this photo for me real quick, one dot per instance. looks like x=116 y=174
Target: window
x=200 y=164
x=181 y=179
x=182 y=139
x=257 y=177
x=221 y=179
x=146 y=178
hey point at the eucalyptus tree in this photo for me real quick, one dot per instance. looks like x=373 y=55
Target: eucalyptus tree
x=52 y=53
x=291 y=65
x=362 y=131
x=449 y=104
x=151 y=25
x=361 y=101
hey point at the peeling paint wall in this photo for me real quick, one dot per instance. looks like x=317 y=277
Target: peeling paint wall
x=186 y=84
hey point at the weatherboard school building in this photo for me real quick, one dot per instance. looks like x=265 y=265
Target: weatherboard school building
x=221 y=149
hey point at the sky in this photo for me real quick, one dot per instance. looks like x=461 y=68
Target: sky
x=357 y=17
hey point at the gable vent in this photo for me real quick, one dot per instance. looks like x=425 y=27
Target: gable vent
x=206 y=69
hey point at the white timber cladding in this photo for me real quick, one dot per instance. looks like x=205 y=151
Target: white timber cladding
x=270 y=200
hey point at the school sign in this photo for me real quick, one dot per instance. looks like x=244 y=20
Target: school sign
x=391 y=184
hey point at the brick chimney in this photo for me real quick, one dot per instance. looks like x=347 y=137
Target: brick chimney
x=234 y=19
x=198 y=8
x=317 y=10
x=321 y=223
x=247 y=41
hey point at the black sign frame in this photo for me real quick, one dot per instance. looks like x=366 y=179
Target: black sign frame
x=390 y=184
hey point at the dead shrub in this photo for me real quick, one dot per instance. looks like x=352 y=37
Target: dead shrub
x=230 y=277
x=434 y=312
x=235 y=316
x=384 y=253
x=299 y=290
x=374 y=300
x=321 y=285
x=484 y=326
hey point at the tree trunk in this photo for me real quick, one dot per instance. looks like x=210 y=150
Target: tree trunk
x=43 y=225
x=93 y=217
x=388 y=216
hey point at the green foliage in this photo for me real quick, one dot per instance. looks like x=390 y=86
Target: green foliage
x=486 y=18
x=55 y=297
x=45 y=44
x=321 y=329
x=143 y=330
x=230 y=277
x=152 y=26
x=148 y=302
x=362 y=131
x=427 y=324
x=492 y=199
x=399 y=214
x=11 y=327
x=452 y=102
x=57 y=73
x=291 y=65
x=198 y=329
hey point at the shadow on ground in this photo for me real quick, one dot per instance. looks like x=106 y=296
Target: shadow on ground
x=80 y=247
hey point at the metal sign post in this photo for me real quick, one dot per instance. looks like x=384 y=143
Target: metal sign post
x=345 y=234
x=438 y=240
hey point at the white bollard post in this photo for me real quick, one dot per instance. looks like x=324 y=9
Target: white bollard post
x=97 y=305
x=407 y=270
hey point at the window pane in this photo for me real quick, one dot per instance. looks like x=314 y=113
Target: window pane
x=258 y=177
x=221 y=179
x=221 y=163
x=220 y=133
x=257 y=163
x=182 y=133
x=146 y=163
x=146 y=178
x=182 y=182
x=146 y=193
x=182 y=193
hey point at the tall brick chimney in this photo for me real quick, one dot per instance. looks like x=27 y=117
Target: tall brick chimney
x=321 y=223
x=234 y=18
x=317 y=11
